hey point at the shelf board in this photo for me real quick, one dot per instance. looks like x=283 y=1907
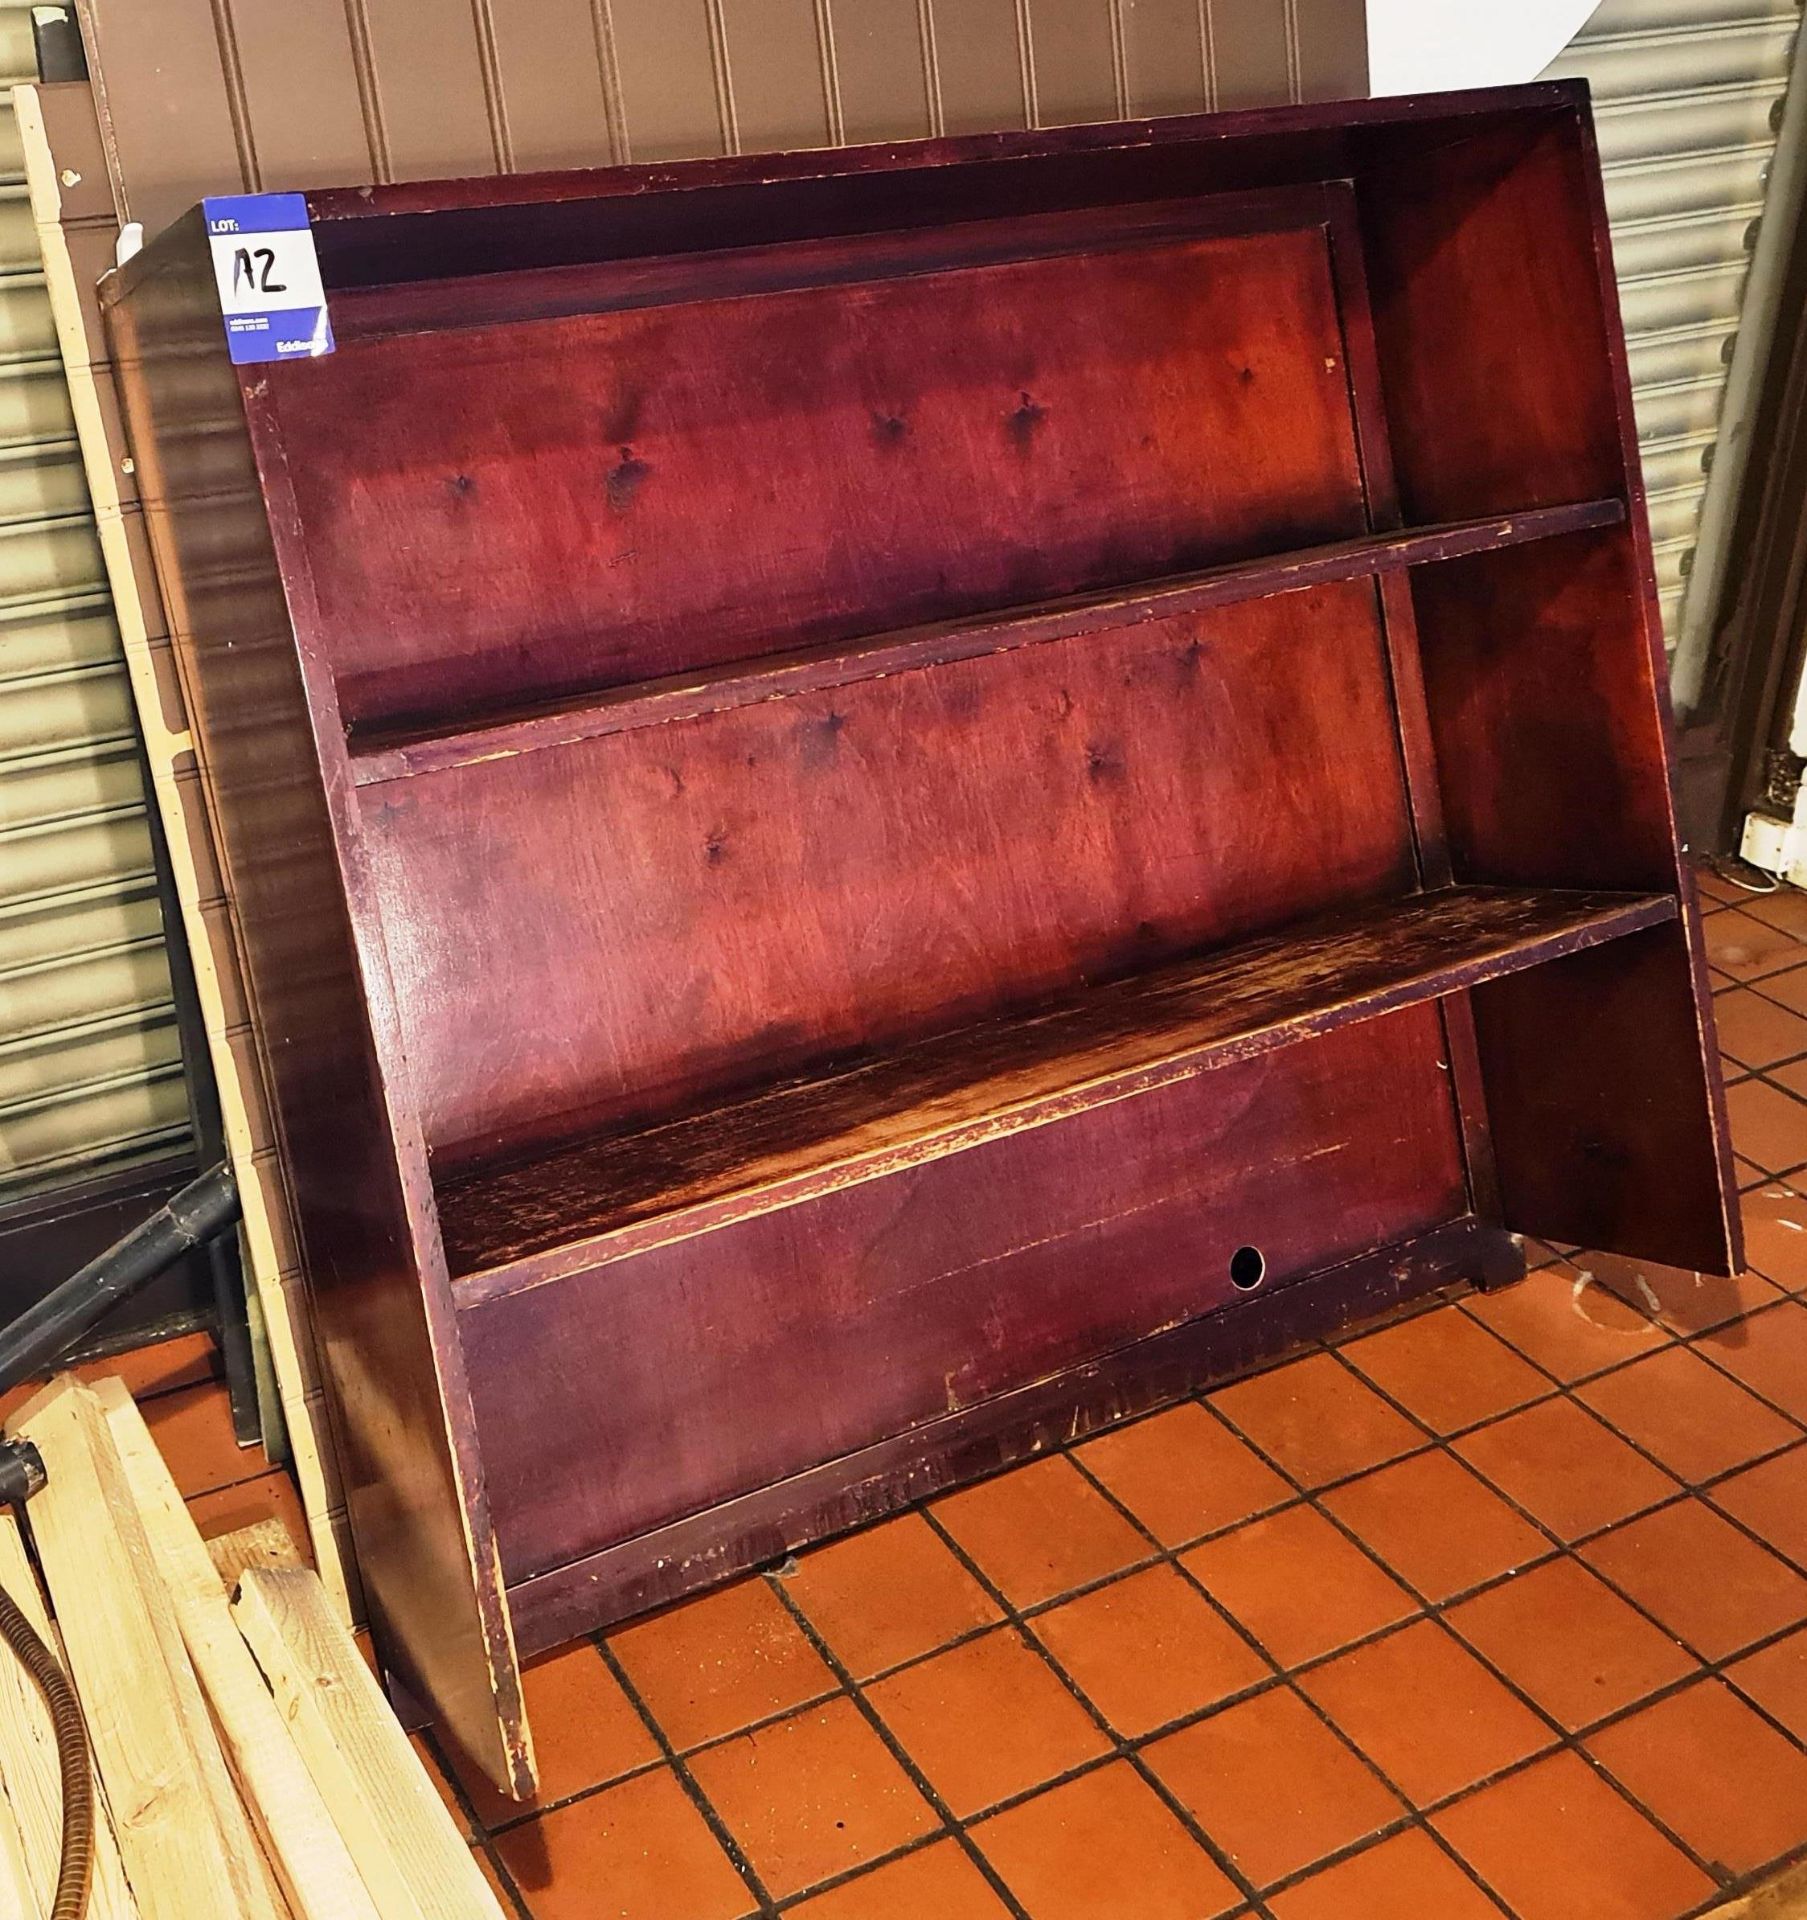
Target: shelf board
x=603 y=1198
x=395 y=754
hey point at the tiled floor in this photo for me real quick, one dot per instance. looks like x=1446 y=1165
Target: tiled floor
x=1499 y=1608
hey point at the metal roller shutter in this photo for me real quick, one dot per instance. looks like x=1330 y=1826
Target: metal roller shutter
x=1687 y=94
x=90 y=1067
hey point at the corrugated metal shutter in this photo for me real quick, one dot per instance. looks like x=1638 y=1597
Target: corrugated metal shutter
x=90 y=1067
x=1687 y=95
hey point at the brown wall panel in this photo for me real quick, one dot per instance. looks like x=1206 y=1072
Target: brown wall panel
x=1164 y=56
x=1252 y=53
x=1073 y=61
x=550 y=65
x=313 y=135
x=665 y=58
x=979 y=71
x=779 y=97
x=881 y=66
x=209 y=98
x=433 y=91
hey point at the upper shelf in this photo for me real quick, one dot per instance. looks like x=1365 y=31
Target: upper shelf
x=616 y=1194
x=393 y=754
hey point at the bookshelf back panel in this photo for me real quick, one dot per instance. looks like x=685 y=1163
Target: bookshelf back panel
x=602 y=932
x=612 y=496
x=804 y=1334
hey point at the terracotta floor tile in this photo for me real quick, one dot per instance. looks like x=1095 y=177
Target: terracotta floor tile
x=1406 y=1876
x=936 y=1882
x=639 y=1851
x=1688 y=1414
x=1565 y=1468
x=1436 y=1525
x=1716 y=1774
x=1682 y=1300
x=986 y=1720
x=888 y=1594
x=1557 y=1843
x=1790 y=988
x=270 y=1496
x=193 y=1431
x=1317 y=1420
x=1425 y=1711
x=427 y=1753
x=812 y=1796
x=1775 y=1235
x=1705 y=1581
x=1771 y=1499
x=1563 y=1637
x=1272 y=1785
x=1776 y=1678
x=716 y=1664
x=1184 y=1473
x=1298 y=1585
x=1785 y=909
x=1040 y=1530
x=1567 y=1322
x=188 y=1360
x=1147 y=1649
x=1768 y=1125
x=1446 y=1370
x=1720 y=891
x=1746 y=948
x=1768 y=1352
x=1104 y=1844
x=585 y=1731
x=1755 y=1031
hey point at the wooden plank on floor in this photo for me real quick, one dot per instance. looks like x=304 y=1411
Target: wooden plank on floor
x=411 y=1854
x=183 y=1838
x=265 y=1543
x=311 y=1860
x=1783 y=1898
x=29 y=1773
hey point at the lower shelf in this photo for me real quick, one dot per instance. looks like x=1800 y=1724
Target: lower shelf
x=609 y=1196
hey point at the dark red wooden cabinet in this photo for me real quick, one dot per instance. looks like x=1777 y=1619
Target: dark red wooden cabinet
x=887 y=803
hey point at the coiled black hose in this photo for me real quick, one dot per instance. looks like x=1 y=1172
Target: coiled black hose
x=75 y=1867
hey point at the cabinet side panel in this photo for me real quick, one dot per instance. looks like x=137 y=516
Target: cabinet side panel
x=396 y=1384
x=1601 y=1076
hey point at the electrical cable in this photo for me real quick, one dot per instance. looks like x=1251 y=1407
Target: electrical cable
x=75 y=1863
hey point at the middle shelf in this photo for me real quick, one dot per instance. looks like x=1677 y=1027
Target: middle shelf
x=579 y=1205
x=394 y=753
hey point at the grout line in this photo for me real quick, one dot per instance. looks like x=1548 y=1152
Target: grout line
x=692 y=1787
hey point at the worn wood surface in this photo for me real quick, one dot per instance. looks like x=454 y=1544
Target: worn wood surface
x=847 y=869
x=380 y=755
x=985 y=1083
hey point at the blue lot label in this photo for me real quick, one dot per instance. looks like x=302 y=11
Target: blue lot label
x=268 y=277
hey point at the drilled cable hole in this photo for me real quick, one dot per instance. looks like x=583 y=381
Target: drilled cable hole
x=1248 y=1268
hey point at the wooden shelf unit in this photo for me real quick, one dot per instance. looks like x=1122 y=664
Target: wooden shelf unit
x=886 y=805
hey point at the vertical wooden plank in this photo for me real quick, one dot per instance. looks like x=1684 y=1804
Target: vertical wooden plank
x=775 y=75
x=1330 y=49
x=665 y=67
x=301 y=95
x=882 y=66
x=554 y=99
x=161 y=95
x=1072 y=62
x=1164 y=57
x=428 y=83
x=978 y=65
x=1251 y=58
